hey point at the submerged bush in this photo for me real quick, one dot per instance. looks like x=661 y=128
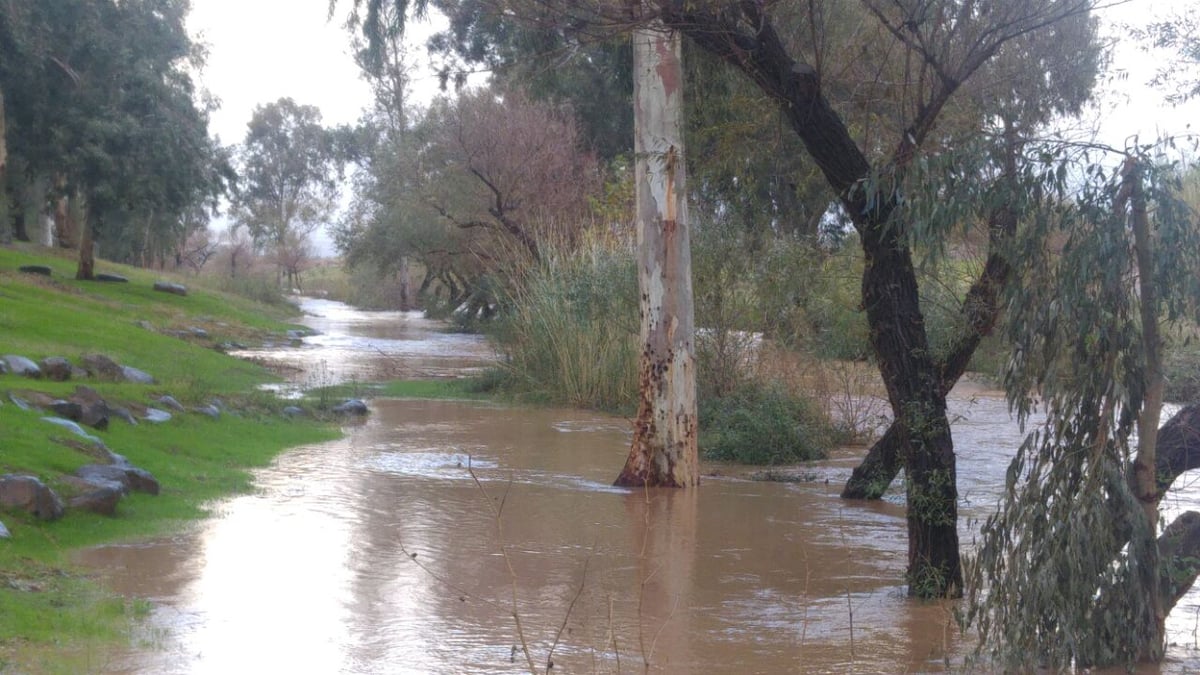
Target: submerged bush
x=763 y=424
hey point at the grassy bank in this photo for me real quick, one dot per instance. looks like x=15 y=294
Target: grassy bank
x=52 y=616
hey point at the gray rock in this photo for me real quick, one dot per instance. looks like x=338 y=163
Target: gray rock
x=132 y=374
x=156 y=416
x=31 y=495
x=353 y=406
x=170 y=402
x=98 y=496
x=19 y=402
x=112 y=278
x=56 y=368
x=170 y=287
x=68 y=409
x=95 y=409
x=209 y=410
x=123 y=414
x=126 y=476
x=102 y=367
x=295 y=334
x=106 y=473
x=35 y=269
x=198 y=332
x=73 y=428
x=3 y=367
x=145 y=325
x=19 y=365
x=293 y=411
x=4 y=533
x=142 y=480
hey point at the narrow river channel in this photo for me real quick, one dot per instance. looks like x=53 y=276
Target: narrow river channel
x=381 y=553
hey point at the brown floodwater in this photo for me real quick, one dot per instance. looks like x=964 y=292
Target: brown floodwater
x=382 y=552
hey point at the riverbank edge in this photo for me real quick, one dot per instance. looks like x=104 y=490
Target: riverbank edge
x=56 y=616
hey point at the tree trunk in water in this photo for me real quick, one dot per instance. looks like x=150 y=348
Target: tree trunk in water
x=898 y=336
x=663 y=452
x=914 y=388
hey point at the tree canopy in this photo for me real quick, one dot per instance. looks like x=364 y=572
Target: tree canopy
x=111 y=122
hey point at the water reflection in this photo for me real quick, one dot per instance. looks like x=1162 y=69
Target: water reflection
x=380 y=553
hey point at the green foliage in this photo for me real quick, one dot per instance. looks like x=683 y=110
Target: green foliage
x=109 y=119
x=761 y=423
x=1055 y=585
x=569 y=334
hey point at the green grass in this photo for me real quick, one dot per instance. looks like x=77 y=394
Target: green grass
x=467 y=389
x=50 y=612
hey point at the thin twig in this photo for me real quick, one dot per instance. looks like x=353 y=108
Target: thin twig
x=512 y=575
x=612 y=633
x=462 y=592
x=662 y=627
x=570 y=608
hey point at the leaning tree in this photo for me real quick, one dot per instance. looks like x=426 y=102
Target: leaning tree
x=1073 y=570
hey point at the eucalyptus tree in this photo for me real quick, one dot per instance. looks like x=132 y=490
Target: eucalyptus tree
x=925 y=53
x=289 y=170
x=1077 y=535
x=663 y=452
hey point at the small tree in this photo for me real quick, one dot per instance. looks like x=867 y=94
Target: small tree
x=289 y=172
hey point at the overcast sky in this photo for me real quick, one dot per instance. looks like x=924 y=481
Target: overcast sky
x=261 y=50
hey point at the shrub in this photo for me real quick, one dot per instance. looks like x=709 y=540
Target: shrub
x=762 y=424
x=570 y=333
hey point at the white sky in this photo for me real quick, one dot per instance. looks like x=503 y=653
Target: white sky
x=261 y=50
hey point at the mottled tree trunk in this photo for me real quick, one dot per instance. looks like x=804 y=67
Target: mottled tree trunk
x=86 y=270
x=663 y=451
x=66 y=215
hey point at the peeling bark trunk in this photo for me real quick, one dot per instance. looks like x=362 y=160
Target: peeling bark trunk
x=663 y=452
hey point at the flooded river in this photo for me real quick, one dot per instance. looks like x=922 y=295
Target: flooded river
x=383 y=552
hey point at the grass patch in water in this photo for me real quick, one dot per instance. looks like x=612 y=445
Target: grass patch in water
x=53 y=618
x=462 y=388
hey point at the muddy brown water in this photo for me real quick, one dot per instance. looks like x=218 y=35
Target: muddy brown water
x=380 y=552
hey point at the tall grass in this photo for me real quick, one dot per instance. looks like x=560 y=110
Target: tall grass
x=570 y=335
